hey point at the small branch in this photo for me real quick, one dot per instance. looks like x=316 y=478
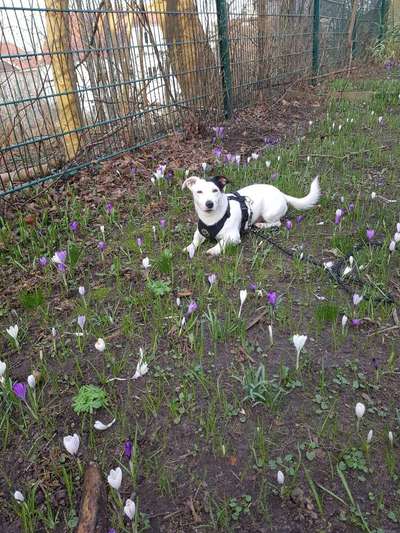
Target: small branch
x=348 y=155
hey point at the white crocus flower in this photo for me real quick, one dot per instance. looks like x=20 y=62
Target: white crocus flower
x=100 y=345
x=344 y=322
x=392 y=246
x=398 y=227
x=71 y=443
x=3 y=368
x=81 y=290
x=299 y=342
x=346 y=271
x=357 y=299
x=102 y=427
x=31 y=381
x=390 y=437
x=141 y=368
x=13 y=331
x=130 y=509
x=146 y=263
x=396 y=237
x=373 y=195
x=114 y=478
x=369 y=436
x=19 y=496
x=267 y=164
x=280 y=477
x=360 y=411
x=242 y=296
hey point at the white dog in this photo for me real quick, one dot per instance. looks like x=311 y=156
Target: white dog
x=225 y=217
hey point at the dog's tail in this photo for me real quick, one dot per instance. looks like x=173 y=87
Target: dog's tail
x=308 y=201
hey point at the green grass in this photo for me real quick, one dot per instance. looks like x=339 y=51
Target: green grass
x=221 y=408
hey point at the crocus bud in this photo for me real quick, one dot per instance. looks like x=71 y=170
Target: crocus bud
x=390 y=437
x=280 y=477
x=360 y=410
x=344 y=321
x=146 y=262
x=114 y=478
x=100 y=345
x=19 y=496
x=71 y=443
x=369 y=436
x=130 y=509
x=3 y=367
x=392 y=246
x=31 y=381
x=81 y=291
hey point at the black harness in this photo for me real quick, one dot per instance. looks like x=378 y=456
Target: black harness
x=211 y=232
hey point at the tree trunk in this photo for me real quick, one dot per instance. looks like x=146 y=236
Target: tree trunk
x=190 y=55
x=67 y=104
x=93 y=514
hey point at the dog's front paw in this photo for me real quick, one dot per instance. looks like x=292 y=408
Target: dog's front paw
x=214 y=251
x=190 y=250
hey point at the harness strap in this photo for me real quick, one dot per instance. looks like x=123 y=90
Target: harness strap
x=212 y=231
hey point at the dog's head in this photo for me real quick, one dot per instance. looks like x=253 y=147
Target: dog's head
x=207 y=194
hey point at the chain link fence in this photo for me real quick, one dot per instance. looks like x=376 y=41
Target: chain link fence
x=82 y=81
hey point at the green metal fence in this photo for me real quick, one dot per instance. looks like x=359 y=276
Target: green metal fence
x=82 y=81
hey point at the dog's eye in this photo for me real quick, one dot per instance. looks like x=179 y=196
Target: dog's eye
x=199 y=192
x=215 y=190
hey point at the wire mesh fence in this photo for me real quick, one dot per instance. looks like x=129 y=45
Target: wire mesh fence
x=85 y=80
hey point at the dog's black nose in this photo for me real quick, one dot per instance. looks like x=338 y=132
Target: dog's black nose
x=209 y=204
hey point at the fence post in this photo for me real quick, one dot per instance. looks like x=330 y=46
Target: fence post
x=222 y=21
x=315 y=38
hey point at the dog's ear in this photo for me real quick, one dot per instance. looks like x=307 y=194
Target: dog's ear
x=189 y=182
x=220 y=182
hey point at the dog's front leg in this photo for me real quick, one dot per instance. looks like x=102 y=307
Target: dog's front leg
x=198 y=239
x=220 y=247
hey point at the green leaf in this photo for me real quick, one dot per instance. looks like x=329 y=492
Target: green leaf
x=88 y=399
x=31 y=299
x=74 y=253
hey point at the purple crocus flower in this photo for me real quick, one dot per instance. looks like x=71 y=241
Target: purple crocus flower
x=61 y=267
x=112 y=530
x=163 y=223
x=299 y=219
x=43 y=261
x=133 y=170
x=81 y=321
x=229 y=158
x=128 y=447
x=191 y=308
x=274 y=176
x=19 y=390
x=356 y=322
x=73 y=226
x=219 y=132
x=338 y=215
x=253 y=287
x=271 y=141
x=101 y=245
x=109 y=208
x=139 y=242
x=169 y=175
x=351 y=207
x=60 y=256
x=289 y=224
x=217 y=152
x=370 y=234
x=272 y=298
